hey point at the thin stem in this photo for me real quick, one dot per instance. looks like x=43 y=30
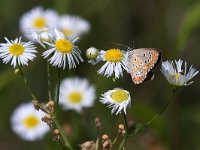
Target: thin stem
x=26 y=83
x=126 y=135
x=125 y=121
x=97 y=143
x=57 y=91
x=157 y=115
x=162 y=110
x=121 y=146
x=62 y=134
x=49 y=81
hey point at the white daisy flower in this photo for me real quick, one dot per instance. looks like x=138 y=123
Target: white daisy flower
x=26 y=122
x=62 y=50
x=37 y=19
x=73 y=26
x=76 y=93
x=176 y=73
x=18 y=52
x=117 y=99
x=115 y=62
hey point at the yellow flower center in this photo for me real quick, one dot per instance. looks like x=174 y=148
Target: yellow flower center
x=67 y=32
x=39 y=22
x=114 y=55
x=120 y=96
x=16 y=49
x=75 y=97
x=176 y=76
x=31 y=121
x=64 y=46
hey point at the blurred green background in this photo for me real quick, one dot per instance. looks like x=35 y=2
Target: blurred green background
x=172 y=26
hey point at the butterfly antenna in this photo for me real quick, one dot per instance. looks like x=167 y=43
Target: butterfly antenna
x=133 y=44
x=119 y=44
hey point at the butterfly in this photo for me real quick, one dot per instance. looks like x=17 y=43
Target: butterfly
x=141 y=62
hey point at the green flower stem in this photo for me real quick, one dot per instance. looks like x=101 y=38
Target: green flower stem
x=121 y=146
x=125 y=121
x=126 y=128
x=62 y=134
x=157 y=115
x=49 y=81
x=97 y=143
x=57 y=91
x=26 y=83
x=163 y=109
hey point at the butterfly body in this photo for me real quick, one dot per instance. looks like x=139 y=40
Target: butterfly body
x=141 y=62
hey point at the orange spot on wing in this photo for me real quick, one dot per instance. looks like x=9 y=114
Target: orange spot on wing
x=154 y=60
x=138 y=80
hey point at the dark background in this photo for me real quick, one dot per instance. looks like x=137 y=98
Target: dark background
x=173 y=26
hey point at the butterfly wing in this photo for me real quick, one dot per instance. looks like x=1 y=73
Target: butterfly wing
x=141 y=62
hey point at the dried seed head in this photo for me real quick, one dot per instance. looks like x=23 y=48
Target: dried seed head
x=48 y=119
x=107 y=145
x=36 y=104
x=67 y=129
x=56 y=131
x=50 y=106
x=89 y=145
x=51 y=103
x=56 y=135
x=131 y=125
x=105 y=137
x=121 y=127
x=98 y=123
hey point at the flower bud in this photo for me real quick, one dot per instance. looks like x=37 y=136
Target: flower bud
x=92 y=53
x=46 y=36
x=17 y=71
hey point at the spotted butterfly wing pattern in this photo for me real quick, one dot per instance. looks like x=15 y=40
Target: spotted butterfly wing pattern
x=141 y=62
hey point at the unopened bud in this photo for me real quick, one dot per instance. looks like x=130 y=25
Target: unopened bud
x=16 y=71
x=92 y=53
x=46 y=36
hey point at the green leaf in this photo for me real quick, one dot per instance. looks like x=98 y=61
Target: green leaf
x=190 y=22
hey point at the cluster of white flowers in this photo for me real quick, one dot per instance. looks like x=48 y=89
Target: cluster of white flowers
x=38 y=20
x=57 y=34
